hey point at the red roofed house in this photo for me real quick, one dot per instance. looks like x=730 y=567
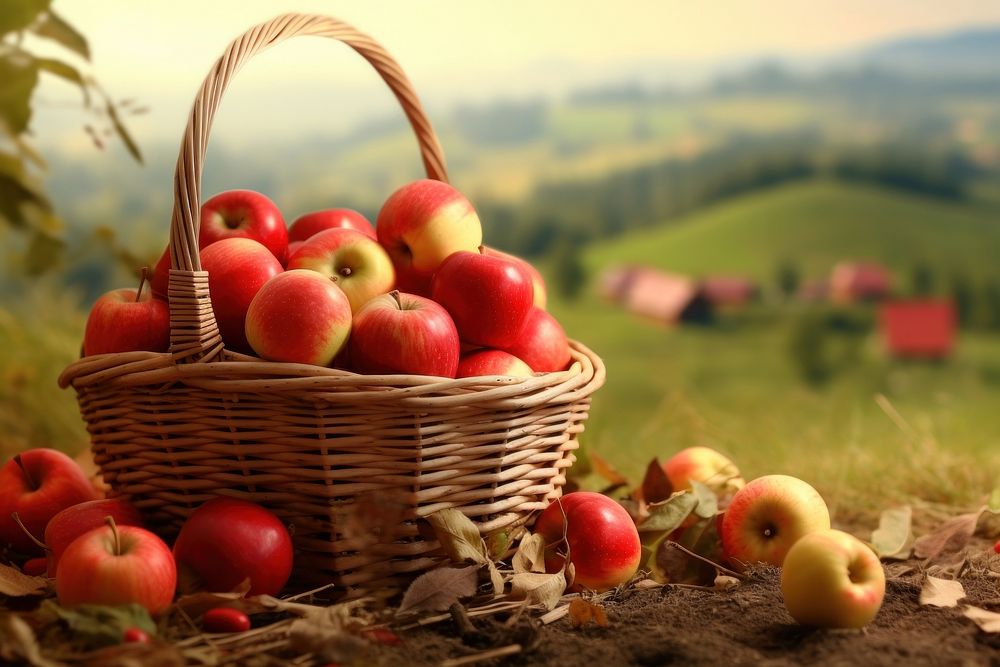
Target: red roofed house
x=728 y=291
x=656 y=295
x=862 y=281
x=923 y=329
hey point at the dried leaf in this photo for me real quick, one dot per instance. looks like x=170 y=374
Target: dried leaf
x=330 y=643
x=530 y=556
x=439 y=589
x=893 y=539
x=669 y=515
x=724 y=582
x=582 y=612
x=643 y=584
x=656 y=486
x=605 y=470
x=670 y=564
x=123 y=134
x=988 y=621
x=941 y=592
x=99 y=624
x=497 y=544
x=543 y=589
x=459 y=536
x=15 y=584
x=951 y=537
x=18 y=643
x=708 y=502
x=196 y=604
x=496 y=579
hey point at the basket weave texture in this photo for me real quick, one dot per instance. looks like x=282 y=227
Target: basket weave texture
x=350 y=462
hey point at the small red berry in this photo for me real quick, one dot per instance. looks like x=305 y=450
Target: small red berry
x=996 y=547
x=135 y=636
x=225 y=619
x=383 y=636
x=35 y=567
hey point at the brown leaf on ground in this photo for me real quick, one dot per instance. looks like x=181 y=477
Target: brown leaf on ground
x=18 y=644
x=656 y=487
x=724 y=582
x=941 y=592
x=988 y=621
x=582 y=612
x=196 y=604
x=950 y=538
x=605 y=470
x=530 y=556
x=893 y=539
x=543 y=589
x=439 y=589
x=16 y=584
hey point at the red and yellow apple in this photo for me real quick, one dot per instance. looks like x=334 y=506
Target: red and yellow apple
x=705 y=465
x=600 y=537
x=81 y=518
x=244 y=214
x=491 y=362
x=355 y=262
x=122 y=320
x=832 y=579
x=541 y=343
x=539 y=292
x=310 y=224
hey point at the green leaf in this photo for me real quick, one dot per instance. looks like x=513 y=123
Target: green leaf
x=708 y=502
x=54 y=27
x=20 y=14
x=894 y=536
x=123 y=133
x=67 y=72
x=670 y=514
x=19 y=74
x=99 y=624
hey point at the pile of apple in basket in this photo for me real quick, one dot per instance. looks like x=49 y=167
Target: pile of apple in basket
x=418 y=294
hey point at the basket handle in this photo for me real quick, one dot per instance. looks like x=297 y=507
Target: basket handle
x=194 y=334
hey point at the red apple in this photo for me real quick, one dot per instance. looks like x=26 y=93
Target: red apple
x=602 y=540
x=488 y=297
x=37 y=485
x=705 y=465
x=115 y=565
x=541 y=343
x=81 y=518
x=122 y=320
x=539 y=292
x=313 y=223
x=422 y=223
x=403 y=333
x=161 y=275
x=299 y=316
x=358 y=264
x=237 y=269
x=244 y=214
x=227 y=541
x=491 y=362
x=767 y=516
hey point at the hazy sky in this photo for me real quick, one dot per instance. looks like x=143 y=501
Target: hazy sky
x=159 y=50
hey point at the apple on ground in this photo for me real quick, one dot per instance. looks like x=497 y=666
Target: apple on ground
x=227 y=541
x=601 y=539
x=37 y=484
x=244 y=214
x=488 y=297
x=127 y=320
x=491 y=362
x=237 y=269
x=299 y=316
x=767 y=516
x=310 y=224
x=996 y=547
x=407 y=334
x=115 y=565
x=81 y=518
x=539 y=292
x=541 y=343
x=355 y=262
x=419 y=225
x=832 y=579
x=705 y=465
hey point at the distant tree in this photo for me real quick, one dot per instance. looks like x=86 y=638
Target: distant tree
x=808 y=348
x=788 y=278
x=569 y=274
x=964 y=297
x=922 y=279
x=989 y=305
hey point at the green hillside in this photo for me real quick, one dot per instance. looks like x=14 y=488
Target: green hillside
x=815 y=225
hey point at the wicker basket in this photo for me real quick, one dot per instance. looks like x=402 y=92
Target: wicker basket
x=350 y=462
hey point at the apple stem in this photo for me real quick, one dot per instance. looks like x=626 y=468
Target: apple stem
x=27 y=532
x=110 y=520
x=142 y=282
x=32 y=484
x=395 y=295
x=720 y=568
x=482 y=249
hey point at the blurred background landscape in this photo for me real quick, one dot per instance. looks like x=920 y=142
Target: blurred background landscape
x=776 y=180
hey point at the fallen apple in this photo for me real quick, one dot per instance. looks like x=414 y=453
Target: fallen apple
x=705 y=465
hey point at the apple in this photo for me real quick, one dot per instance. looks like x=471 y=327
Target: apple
x=541 y=343
x=244 y=214
x=161 y=275
x=227 y=541
x=407 y=334
x=37 y=484
x=115 y=565
x=74 y=521
x=996 y=547
x=299 y=316
x=767 y=516
x=310 y=224
x=127 y=320
x=602 y=540
x=358 y=264
x=419 y=225
x=832 y=579
x=491 y=362
x=488 y=297
x=237 y=269
x=705 y=465
x=35 y=567
x=539 y=292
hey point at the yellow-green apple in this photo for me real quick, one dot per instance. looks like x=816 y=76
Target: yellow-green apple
x=115 y=565
x=313 y=223
x=227 y=541
x=705 y=465
x=541 y=343
x=237 y=269
x=832 y=579
x=244 y=214
x=491 y=362
x=74 y=521
x=38 y=484
x=123 y=320
x=299 y=316
x=403 y=333
x=767 y=516
x=357 y=263
x=600 y=538
x=539 y=292
x=419 y=225
x=487 y=297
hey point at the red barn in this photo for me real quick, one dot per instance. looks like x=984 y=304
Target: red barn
x=863 y=281
x=923 y=329
x=728 y=290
